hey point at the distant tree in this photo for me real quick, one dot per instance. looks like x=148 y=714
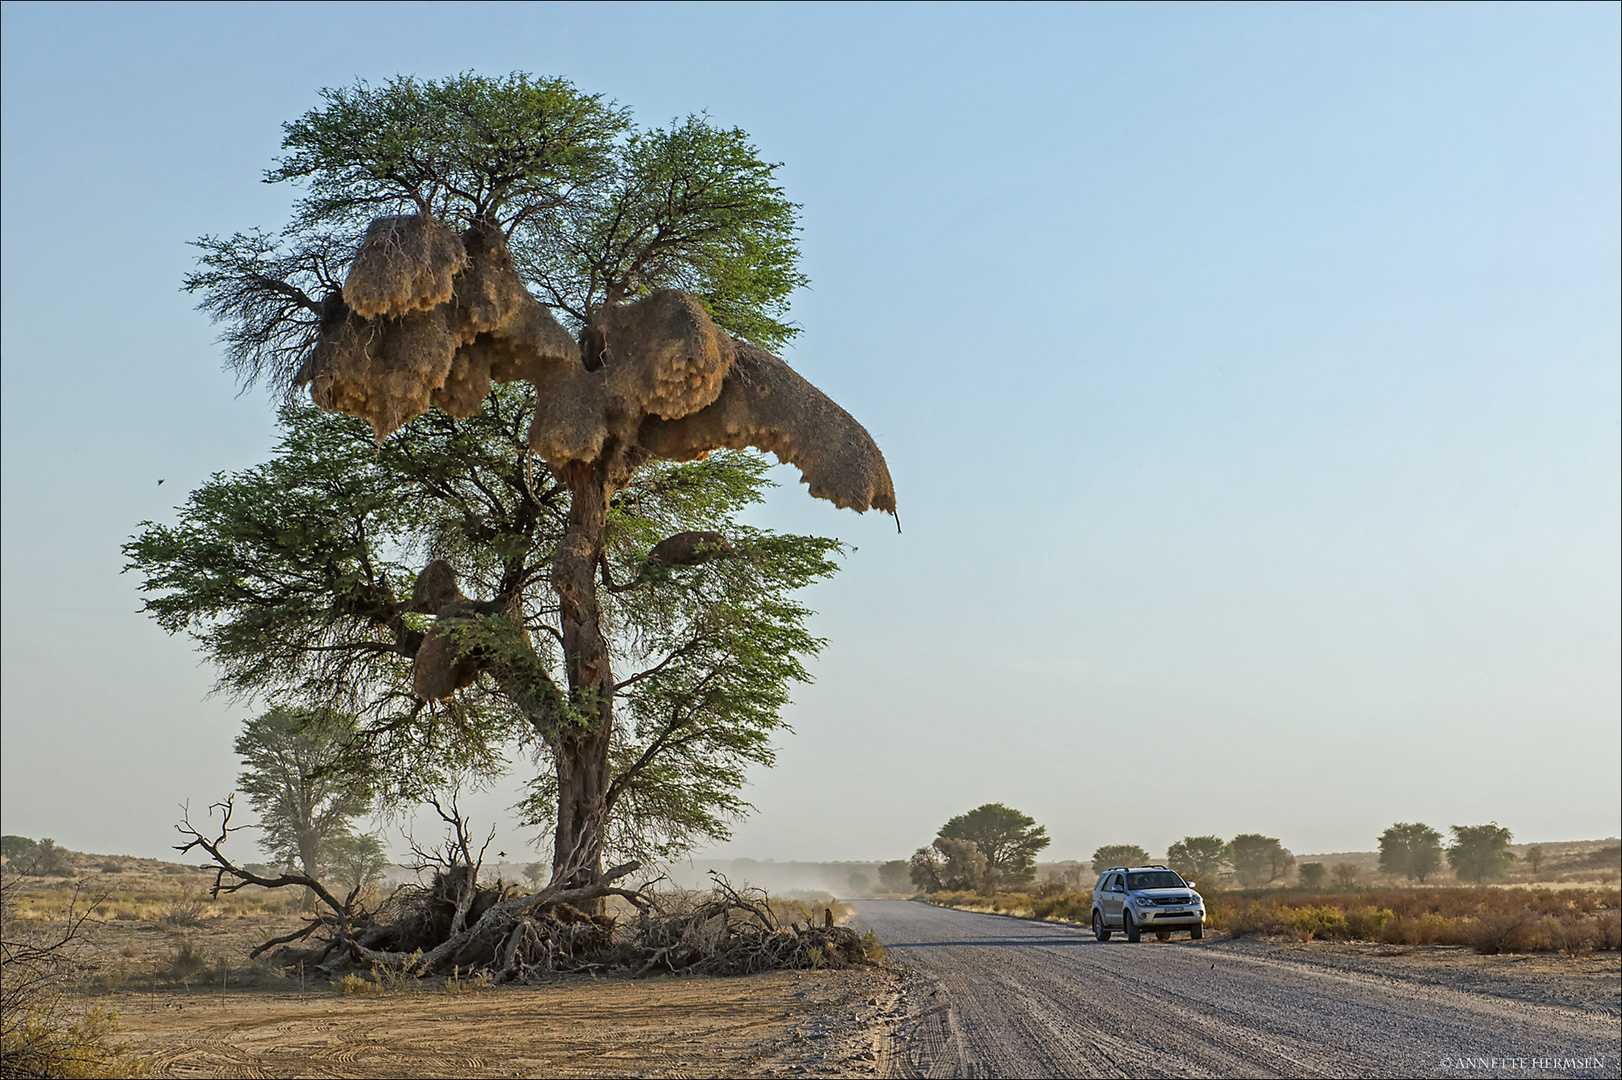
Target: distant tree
x=1345 y=874
x=1313 y=875
x=1118 y=855
x=1480 y=852
x=964 y=865
x=357 y=861
x=1260 y=860
x=19 y=851
x=1534 y=858
x=48 y=860
x=1412 y=850
x=1200 y=858
x=1006 y=838
x=294 y=777
x=926 y=870
x=895 y=876
x=537 y=874
x=860 y=883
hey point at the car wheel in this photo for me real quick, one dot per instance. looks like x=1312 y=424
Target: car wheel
x=1196 y=933
x=1133 y=934
x=1162 y=935
x=1098 y=926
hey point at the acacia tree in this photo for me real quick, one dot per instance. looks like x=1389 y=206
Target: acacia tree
x=294 y=778
x=669 y=255
x=1480 y=852
x=1259 y=859
x=1411 y=849
x=1200 y=858
x=1118 y=855
x=1008 y=839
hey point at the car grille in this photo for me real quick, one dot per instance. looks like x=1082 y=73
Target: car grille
x=1172 y=901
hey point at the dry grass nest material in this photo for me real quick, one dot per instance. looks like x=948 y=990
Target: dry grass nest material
x=429 y=317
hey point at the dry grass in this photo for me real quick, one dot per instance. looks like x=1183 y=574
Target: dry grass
x=1488 y=920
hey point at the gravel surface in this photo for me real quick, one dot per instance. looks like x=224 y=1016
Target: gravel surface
x=1001 y=997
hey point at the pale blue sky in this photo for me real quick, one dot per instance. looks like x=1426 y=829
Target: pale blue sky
x=1249 y=376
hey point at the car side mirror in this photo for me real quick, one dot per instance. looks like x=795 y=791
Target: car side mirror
x=1191 y=884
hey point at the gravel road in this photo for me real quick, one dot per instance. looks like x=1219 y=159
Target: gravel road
x=994 y=996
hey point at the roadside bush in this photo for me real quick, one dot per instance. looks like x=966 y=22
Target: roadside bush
x=1323 y=923
x=1501 y=932
x=1365 y=923
x=1076 y=907
x=1428 y=928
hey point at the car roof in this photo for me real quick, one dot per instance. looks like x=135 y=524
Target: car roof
x=1151 y=866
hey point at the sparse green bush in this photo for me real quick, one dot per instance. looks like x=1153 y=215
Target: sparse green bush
x=355 y=984
x=187 y=963
x=1314 y=875
x=185 y=910
x=36 y=1043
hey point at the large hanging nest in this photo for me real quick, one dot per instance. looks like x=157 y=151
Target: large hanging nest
x=429 y=317
x=405 y=264
x=385 y=369
x=764 y=404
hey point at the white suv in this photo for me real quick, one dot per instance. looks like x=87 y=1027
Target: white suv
x=1152 y=898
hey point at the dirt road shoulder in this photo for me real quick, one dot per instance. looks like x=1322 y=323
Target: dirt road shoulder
x=826 y=1023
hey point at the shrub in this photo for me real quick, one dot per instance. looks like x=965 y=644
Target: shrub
x=1501 y=932
x=1326 y=923
x=1314 y=875
x=1365 y=923
x=36 y=1043
x=1074 y=907
x=187 y=963
x=355 y=984
x=185 y=910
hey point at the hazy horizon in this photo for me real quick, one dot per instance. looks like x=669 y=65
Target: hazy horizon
x=1249 y=378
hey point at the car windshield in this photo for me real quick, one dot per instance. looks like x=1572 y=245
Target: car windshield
x=1154 y=879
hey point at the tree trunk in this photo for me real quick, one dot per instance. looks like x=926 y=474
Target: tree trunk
x=581 y=748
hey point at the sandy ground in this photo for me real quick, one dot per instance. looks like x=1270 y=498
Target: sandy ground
x=823 y=1023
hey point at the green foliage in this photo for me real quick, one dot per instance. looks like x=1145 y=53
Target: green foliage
x=295 y=577
x=895 y=876
x=295 y=776
x=1118 y=855
x=925 y=870
x=1200 y=858
x=713 y=649
x=20 y=848
x=36 y=1041
x=594 y=209
x=1314 y=875
x=1411 y=849
x=1534 y=858
x=1258 y=859
x=1008 y=839
x=690 y=206
x=356 y=862
x=468 y=147
x=1480 y=852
